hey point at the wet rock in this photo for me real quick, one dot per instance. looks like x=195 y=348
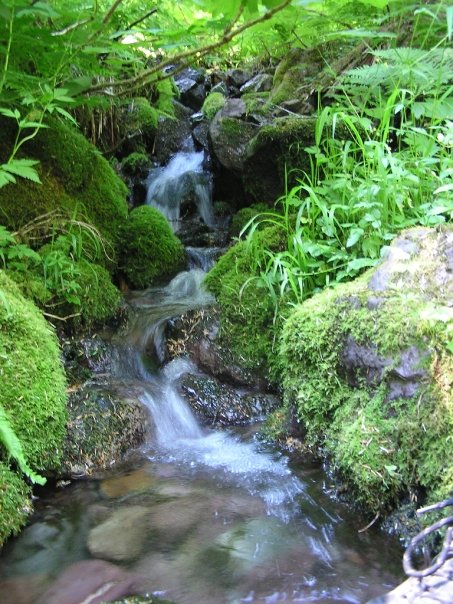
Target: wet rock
x=173 y=133
x=87 y=355
x=132 y=482
x=175 y=520
x=197 y=334
x=103 y=425
x=224 y=405
x=229 y=139
x=262 y=82
x=122 y=536
x=93 y=581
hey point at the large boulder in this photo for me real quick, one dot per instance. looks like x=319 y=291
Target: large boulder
x=229 y=138
x=368 y=367
x=270 y=155
x=33 y=398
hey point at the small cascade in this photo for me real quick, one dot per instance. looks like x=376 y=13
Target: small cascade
x=180 y=438
x=182 y=181
x=203 y=258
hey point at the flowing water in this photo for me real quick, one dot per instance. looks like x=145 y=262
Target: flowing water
x=183 y=179
x=214 y=517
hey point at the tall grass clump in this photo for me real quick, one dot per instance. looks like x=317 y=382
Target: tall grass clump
x=394 y=170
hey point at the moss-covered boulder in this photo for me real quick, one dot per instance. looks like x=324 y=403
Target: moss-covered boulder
x=212 y=104
x=274 y=151
x=150 y=250
x=33 y=394
x=368 y=366
x=248 y=320
x=229 y=139
x=76 y=181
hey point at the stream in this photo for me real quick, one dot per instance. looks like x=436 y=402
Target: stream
x=206 y=516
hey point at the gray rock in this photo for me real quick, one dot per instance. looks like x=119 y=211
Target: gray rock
x=222 y=404
x=233 y=108
x=262 y=82
x=122 y=536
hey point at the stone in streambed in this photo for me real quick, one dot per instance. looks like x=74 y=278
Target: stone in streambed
x=93 y=582
x=132 y=482
x=122 y=536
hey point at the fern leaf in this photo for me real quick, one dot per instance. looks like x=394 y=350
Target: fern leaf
x=22 y=168
x=14 y=448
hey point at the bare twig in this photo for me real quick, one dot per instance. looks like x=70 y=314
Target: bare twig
x=365 y=528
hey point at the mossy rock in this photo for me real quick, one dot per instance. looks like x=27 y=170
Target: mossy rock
x=141 y=117
x=99 y=298
x=273 y=152
x=103 y=426
x=212 y=104
x=76 y=181
x=248 y=328
x=150 y=250
x=369 y=369
x=15 y=502
x=32 y=391
x=230 y=137
x=135 y=163
x=244 y=215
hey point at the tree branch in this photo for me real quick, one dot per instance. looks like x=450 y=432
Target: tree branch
x=226 y=37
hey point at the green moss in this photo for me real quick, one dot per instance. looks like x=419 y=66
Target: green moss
x=256 y=102
x=76 y=181
x=135 y=163
x=383 y=449
x=32 y=381
x=141 y=117
x=276 y=150
x=33 y=394
x=248 y=325
x=15 y=503
x=99 y=298
x=212 y=104
x=149 y=249
x=243 y=216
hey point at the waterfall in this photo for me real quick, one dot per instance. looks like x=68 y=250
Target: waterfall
x=183 y=180
x=177 y=434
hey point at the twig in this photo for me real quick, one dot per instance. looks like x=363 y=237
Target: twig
x=365 y=528
x=227 y=36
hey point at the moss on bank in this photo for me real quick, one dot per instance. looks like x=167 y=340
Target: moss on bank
x=76 y=181
x=247 y=309
x=385 y=447
x=32 y=390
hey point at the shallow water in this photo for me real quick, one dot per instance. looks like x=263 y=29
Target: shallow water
x=210 y=535
x=213 y=517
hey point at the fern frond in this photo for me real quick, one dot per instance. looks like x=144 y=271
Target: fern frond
x=14 y=449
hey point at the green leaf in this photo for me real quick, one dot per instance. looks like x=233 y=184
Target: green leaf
x=14 y=449
x=354 y=235
x=22 y=168
x=358 y=263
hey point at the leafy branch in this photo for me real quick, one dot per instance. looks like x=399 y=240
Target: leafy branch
x=182 y=58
